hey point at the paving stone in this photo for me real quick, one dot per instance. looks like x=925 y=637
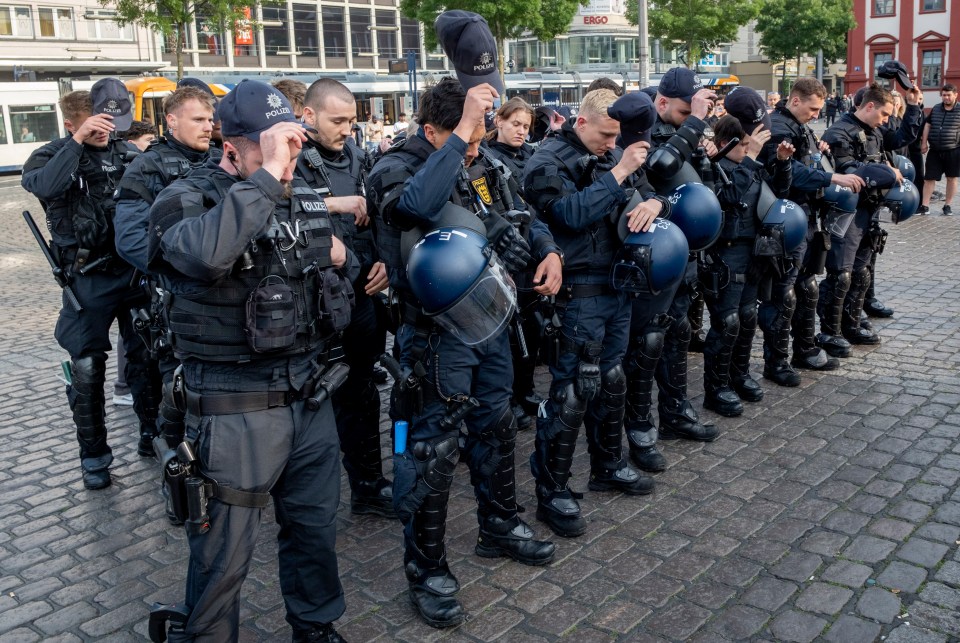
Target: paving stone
x=797 y=566
x=824 y=543
x=797 y=626
x=850 y=629
x=935 y=531
x=935 y=618
x=879 y=605
x=891 y=529
x=847 y=573
x=769 y=593
x=823 y=598
x=912 y=634
x=739 y=622
x=923 y=552
x=869 y=549
x=903 y=577
x=949 y=573
x=846 y=522
x=941 y=595
x=678 y=620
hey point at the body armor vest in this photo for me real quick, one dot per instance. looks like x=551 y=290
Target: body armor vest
x=739 y=221
x=805 y=145
x=209 y=323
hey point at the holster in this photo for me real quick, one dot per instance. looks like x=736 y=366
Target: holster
x=878 y=238
x=713 y=275
x=819 y=248
x=549 y=322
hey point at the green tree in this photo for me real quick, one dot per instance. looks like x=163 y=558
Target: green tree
x=171 y=18
x=695 y=25
x=791 y=30
x=545 y=19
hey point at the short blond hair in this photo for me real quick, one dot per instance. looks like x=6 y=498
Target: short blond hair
x=76 y=104
x=597 y=102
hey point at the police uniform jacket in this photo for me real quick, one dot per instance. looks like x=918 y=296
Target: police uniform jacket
x=217 y=238
x=60 y=170
x=853 y=143
x=161 y=164
x=514 y=158
x=411 y=183
x=741 y=197
x=583 y=221
x=807 y=175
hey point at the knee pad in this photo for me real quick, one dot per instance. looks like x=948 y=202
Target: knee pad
x=505 y=428
x=614 y=381
x=436 y=462
x=730 y=324
x=569 y=408
x=789 y=301
x=89 y=369
x=862 y=275
x=843 y=279
x=682 y=330
x=748 y=315
x=808 y=287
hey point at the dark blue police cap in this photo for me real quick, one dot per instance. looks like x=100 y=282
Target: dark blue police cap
x=194 y=82
x=565 y=111
x=877 y=175
x=110 y=96
x=895 y=69
x=252 y=108
x=746 y=106
x=680 y=82
x=650 y=91
x=636 y=114
x=466 y=40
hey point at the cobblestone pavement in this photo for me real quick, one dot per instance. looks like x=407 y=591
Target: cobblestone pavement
x=826 y=511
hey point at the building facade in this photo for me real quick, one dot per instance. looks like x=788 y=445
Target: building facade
x=915 y=32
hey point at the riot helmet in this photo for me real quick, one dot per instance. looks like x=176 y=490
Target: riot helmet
x=907 y=168
x=695 y=209
x=789 y=221
x=454 y=274
x=902 y=200
x=651 y=261
x=841 y=198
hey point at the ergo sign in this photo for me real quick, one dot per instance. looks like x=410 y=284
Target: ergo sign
x=595 y=20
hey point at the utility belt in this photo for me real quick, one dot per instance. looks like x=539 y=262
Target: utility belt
x=83 y=261
x=713 y=273
x=581 y=291
x=878 y=237
x=320 y=386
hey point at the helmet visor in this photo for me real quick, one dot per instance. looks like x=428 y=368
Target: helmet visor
x=484 y=310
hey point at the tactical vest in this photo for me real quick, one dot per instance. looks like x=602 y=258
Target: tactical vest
x=739 y=221
x=346 y=179
x=169 y=162
x=867 y=146
x=98 y=174
x=514 y=158
x=209 y=324
x=591 y=249
x=944 y=128
x=804 y=144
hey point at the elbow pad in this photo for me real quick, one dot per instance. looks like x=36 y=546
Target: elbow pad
x=665 y=161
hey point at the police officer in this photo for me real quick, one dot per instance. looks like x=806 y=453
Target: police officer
x=794 y=295
x=247 y=230
x=682 y=105
x=855 y=140
x=732 y=294
x=185 y=146
x=507 y=144
x=648 y=318
x=335 y=170
x=447 y=380
x=75 y=178
x=577 y=182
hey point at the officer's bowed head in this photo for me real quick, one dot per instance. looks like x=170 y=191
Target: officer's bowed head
x=636 y=114
x=454 y=274
x=746 y=106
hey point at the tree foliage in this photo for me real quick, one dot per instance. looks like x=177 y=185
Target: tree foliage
x=790 y=30
x=695 y=26
x=545 y=19
x=171 y=18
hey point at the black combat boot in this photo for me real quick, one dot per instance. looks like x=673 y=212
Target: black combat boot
x=146 y=388
x=320 y=634
x=853 y=331
x=833 y=290
x=85 y=395
x=871 y=305
x=638 y=422
x=679 y=421
x=372 y=497
x=514 y=539
x=806 y=353
x=746 y=387
x=719 y=395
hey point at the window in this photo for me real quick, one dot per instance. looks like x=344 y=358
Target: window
x=387 y=40
x=878 y=59
x=209 y=37
x=410 y=36
x=884 y=7
x=360 y=32
x=102 y=29
x=34 y=123
x=931 y=68
x=305 y=30
x=56 y=23
x=334 y=33
x=275 y=25
x=932 y=5
x=16 y=21
x=3 y=130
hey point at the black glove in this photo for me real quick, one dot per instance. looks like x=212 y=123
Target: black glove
x=587 y=384
x=89 y=231
x=513 y=250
